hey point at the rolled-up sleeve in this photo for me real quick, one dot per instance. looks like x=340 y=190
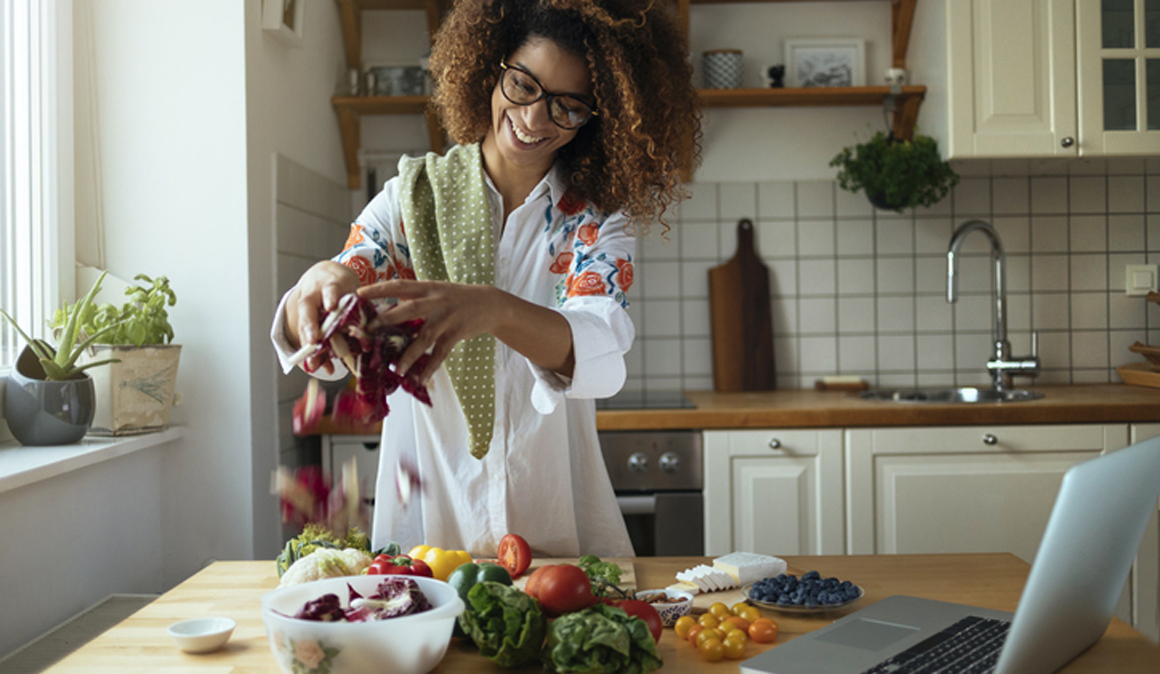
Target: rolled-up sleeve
x=602 y=334
x=595 y=305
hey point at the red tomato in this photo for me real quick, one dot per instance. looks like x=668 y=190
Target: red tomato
x=515 y=554
x=642 y=610
x=560 y=588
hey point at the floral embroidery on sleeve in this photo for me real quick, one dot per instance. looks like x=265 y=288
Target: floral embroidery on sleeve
x=374 y=257
x=624 y=273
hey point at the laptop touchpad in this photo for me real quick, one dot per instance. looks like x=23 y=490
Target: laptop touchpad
x=870 y=635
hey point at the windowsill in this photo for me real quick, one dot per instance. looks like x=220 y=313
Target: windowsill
x=21 y=466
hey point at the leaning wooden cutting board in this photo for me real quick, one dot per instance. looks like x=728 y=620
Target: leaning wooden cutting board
x=741 y=322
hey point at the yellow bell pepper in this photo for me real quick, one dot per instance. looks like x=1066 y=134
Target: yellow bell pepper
x=442 y=562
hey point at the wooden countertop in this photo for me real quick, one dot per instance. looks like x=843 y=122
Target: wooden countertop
x=807 y=408
x=234 y=590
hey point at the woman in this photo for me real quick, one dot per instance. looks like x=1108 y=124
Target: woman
x=515 y=249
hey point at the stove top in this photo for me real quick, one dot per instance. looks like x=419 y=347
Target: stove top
x=646 y=400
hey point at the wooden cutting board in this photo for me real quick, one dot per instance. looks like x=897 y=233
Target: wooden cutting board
x=741 y=322
x=627 y=570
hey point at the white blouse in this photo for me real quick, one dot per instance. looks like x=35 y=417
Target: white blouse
x=543 y=476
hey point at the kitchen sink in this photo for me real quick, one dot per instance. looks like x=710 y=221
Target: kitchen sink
x=951 y=395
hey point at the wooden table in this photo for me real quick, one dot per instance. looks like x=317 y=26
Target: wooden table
x=234 y=590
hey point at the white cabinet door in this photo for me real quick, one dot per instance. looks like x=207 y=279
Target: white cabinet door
x=961 y=489
x=1118 y=78
x=337 y=450
x=773 y=492
x=1146 y=572
x=1010 y=78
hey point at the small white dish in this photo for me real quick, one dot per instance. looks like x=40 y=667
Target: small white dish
x=202 y=635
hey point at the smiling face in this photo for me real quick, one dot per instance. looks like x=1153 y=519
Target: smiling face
x=524 y=136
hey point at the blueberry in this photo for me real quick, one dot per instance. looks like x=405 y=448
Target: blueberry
x=811 y=575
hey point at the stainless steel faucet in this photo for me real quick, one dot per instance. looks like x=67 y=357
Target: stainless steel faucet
x=1003 y=366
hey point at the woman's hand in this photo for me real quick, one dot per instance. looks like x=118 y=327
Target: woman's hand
x=453 y=312
x=317 y=291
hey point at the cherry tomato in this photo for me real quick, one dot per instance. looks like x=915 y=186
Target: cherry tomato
x=514 y=554
x=644 y=611
x=738 y=622
x=682 y=626
x=763 y=632
x=736 y=608
x=734 y=646
x=696 y=629
x=708 y=620
x=560 y=588
x=719 y=610
x=710 y=633
x=712 y=649
x=750 y=613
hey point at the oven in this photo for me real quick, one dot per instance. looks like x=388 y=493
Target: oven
x=657 y=479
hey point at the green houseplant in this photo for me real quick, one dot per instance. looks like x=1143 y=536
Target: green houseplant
x=136 y=394
x=896 y=174
x=49 y=395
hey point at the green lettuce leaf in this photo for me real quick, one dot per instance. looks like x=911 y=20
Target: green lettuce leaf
x=601 y=639
x=505 y=623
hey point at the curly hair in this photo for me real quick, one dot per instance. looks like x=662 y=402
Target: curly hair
x=629 y=156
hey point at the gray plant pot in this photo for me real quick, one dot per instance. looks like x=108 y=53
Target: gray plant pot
x=42 y=412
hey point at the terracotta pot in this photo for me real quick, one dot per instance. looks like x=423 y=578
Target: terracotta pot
x=42 y=412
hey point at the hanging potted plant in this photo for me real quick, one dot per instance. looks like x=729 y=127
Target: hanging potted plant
x=136 y=394
x=896 y=174
x=49 y=396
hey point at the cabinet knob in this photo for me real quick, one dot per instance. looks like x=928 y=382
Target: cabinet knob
x=638 y=462
x=1068 y=141
x=670 y=462
x=989 y=439
x=775 y=444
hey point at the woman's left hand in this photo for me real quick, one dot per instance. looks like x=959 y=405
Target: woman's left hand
x=451 y=313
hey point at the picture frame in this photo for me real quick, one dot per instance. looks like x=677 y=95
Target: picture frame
x=283 y=19
x=825 y=62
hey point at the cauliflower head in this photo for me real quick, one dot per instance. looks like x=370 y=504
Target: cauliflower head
x=326 y=563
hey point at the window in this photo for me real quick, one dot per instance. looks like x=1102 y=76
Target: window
x=36 y=173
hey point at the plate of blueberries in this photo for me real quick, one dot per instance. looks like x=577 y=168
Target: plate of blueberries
x=809 y=594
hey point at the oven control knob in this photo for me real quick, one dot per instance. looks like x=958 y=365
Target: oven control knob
x=670 y=462
x=638 y=462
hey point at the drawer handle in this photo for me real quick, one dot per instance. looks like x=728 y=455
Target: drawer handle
x=989 y=439
x=370 y=446
x=775 y=444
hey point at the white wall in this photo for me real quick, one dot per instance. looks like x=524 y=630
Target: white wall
x=288 y=112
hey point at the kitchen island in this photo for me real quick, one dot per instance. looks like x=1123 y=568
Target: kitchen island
x=234 y=590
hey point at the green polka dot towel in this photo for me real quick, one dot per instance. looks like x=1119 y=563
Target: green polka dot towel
x=448 y=224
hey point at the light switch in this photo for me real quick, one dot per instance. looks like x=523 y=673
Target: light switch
x=1140 y=279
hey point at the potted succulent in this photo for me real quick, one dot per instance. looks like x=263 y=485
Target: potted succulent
x=49 y=396
x=896 y=174
x=135 y=394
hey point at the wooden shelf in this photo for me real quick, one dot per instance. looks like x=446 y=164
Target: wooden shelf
x=351 y=108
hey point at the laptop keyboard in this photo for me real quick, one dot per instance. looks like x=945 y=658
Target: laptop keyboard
x=970 y=646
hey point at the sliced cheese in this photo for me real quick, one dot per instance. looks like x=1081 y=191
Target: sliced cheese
x=707 y=578
x=747 y=567
x=685 y=587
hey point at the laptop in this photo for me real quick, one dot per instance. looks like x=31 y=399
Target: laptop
x=1100 y=515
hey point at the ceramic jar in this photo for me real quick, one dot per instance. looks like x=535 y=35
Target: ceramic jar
x=42 y=412
x=721 y=69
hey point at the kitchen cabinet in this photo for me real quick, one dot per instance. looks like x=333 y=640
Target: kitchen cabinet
x=1040 y=78
x=337 y=450
x=967 y=489
x=1146 y=571
x=351 y=108
x=776 y=492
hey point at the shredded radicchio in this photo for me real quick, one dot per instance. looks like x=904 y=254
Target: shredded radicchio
x=395 y=596
x=370 y=349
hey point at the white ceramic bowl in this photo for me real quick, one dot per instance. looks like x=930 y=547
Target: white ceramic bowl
x=670 y=611
x=202 y=635
x=412 y=644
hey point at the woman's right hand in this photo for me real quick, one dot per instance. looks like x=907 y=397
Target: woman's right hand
x=317 y=292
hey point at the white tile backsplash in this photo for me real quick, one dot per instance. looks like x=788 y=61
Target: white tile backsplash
x=860 y=291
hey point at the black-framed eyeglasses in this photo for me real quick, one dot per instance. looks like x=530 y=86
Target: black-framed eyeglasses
x=522 y=88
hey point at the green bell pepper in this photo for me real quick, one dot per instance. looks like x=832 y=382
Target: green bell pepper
x=467 y=576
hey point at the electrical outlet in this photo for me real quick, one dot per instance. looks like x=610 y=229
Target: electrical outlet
x=1140 y=279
